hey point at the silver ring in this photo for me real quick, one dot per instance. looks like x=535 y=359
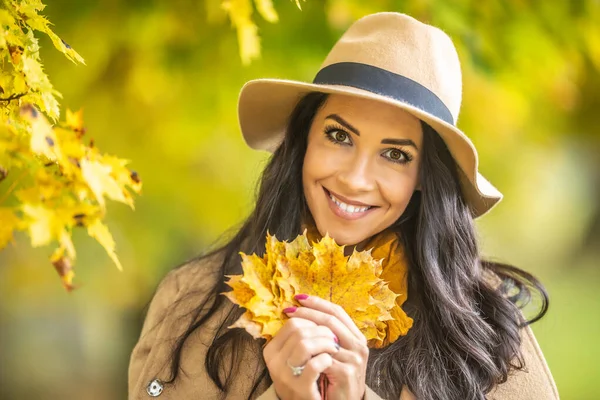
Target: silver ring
x=296 y=371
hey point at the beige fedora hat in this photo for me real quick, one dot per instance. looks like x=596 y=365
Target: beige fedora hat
x=387 y=57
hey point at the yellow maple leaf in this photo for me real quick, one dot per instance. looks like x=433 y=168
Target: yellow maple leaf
x=268 y=285
x=102 y=183
x=100 y=232
x=43 y=139
x=43 y=225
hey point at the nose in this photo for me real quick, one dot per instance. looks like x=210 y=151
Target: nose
x=357 y=176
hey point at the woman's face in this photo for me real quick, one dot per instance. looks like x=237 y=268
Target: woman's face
x=361 y=167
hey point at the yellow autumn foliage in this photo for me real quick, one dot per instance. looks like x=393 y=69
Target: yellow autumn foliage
x=51 y=180
x=240 y=14
x=269 y=283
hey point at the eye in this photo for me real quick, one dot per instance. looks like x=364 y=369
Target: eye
x=337 y=136
x=397 y=156
x=340 y=136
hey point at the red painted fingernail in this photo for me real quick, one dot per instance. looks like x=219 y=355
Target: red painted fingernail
x=335 y=339
x=301 y=296
x=290 y=310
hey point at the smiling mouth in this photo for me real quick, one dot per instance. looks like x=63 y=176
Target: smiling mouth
x=352 y=209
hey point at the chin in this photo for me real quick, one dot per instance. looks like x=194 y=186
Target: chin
x=342 y=238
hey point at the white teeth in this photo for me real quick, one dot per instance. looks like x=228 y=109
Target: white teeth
x=347 y=207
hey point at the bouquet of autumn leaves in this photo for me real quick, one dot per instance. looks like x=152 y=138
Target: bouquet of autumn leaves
x=269 y=283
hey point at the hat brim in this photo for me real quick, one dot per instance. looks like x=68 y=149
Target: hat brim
x=265 y=106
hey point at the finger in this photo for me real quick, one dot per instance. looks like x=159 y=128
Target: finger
x=310 y=332
x=305 y=334
x=346 y=338
x=315 y=366
x=347 y=357
x=340 y=373
x=303 y=344
x=306 y=349
x=328 y=307
x=289 y=327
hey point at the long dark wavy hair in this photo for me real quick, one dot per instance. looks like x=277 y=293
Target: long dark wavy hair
x=465 y=338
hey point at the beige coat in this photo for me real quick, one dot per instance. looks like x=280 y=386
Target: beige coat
x=182 y=290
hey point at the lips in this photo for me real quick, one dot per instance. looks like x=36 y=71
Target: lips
x=346 y=209
x=345 y=200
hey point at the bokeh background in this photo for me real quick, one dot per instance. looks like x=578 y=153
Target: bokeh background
x=160 y=88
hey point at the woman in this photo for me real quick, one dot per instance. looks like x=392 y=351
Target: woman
x=369 y=153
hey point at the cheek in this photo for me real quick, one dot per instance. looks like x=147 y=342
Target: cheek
x=308 y=168
x=319 y=163
x=311 y=173
x=398 y=193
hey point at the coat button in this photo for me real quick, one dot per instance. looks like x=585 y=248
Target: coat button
x=154 y=388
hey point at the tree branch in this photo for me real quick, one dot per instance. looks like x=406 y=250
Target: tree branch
x=13 y=97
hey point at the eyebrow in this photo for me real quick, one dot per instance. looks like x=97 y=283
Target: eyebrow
x=343 y=122
x=346 y=124
x=400 y=142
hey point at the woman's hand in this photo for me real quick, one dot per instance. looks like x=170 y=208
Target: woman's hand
x=347 y=373
x=300 y=343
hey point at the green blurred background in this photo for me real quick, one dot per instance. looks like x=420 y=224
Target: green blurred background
x=160 y=88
